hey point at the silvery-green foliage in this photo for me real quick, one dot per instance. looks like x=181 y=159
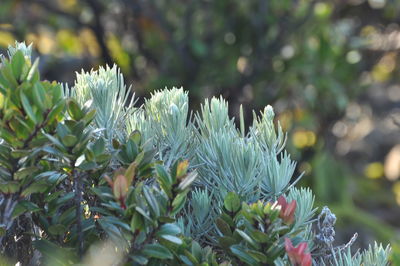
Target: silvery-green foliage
x=214 y=117
x=277 y=173
x=248 y=164
x=20 y=46
x=280 y=262
x=376 y=255
x=230 y=163
x=105 y=90
x=304 y=210
x=345 y=258
x=202 y=215
x=264 y=131
x=164 y=121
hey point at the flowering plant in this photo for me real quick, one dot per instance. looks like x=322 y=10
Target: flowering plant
x=86 y=166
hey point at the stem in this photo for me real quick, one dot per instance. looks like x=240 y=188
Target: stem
x=6 y=220
x=78 y=199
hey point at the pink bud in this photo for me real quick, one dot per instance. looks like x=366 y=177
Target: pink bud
x=287 y=210
x=298 y=255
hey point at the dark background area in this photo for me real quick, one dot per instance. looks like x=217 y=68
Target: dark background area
x=329 y=68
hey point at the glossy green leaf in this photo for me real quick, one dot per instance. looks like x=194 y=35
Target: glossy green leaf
x=24 y=206
x=172 y=239
x=169 y=229
x=33 y=74
x=17 y=63
x=28 y=107
x=74 y=110
x=157 y=251
x=151 y=201
x=39 y=96
x=223 y=227
x=242 y=254
x=232 y=202
x=69 y=140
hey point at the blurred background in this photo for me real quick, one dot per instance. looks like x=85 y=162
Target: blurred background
x=329 y=68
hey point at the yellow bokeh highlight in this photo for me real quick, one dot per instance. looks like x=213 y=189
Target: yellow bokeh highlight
x=322 y=10
x=374 y=170
x=382 y=71
x=118 y=53
x=304 y=138
x=69 y=42
x=299 y=114
x=396 y=191
x=31 y=38
x=67 y=4
x=6 y=38
x=6 y=26
x=45 y=43
x=241 y=64
x=89 y=41
x=368 y=30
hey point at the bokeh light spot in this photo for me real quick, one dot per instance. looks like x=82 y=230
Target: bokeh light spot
x=374 y=170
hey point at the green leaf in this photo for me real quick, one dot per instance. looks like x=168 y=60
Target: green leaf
x=17 y=63
x=223 y=227
x=39 y=95
x=185 y=183
x=259 y=256
x=24 y=206
x=69 y=140
x=196 y=250
x=2 y=230
x=260 y=236
x=8 y=75
x=20 y=153
x=232 y=202
x=9 y=187
x=151 y=201
x=157 y=251
x=169 y=229
x=139 y=259
x=163 y=176
x=137 y=222
x=136 y=137
x=89 y=116
x=178 y=203
x=27 y=107
x=188 y=261
x=74 y=110
x=242 y=254
x=166 y=219
x=143 y=213
x=172 y=239
x=34 y=188
x=226 y=242
x=248 y=239
x=56 y=142
x=55 y=111
x=99 y=147
x=68 y=216
x=57 y=229
x=33 y=74
x=24 y=172
x=130 y=173
x=57 y=92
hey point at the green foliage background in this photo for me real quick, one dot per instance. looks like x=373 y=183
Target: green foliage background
x=312 y=60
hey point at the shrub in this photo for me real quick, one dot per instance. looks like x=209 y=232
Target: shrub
x=84 y=166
